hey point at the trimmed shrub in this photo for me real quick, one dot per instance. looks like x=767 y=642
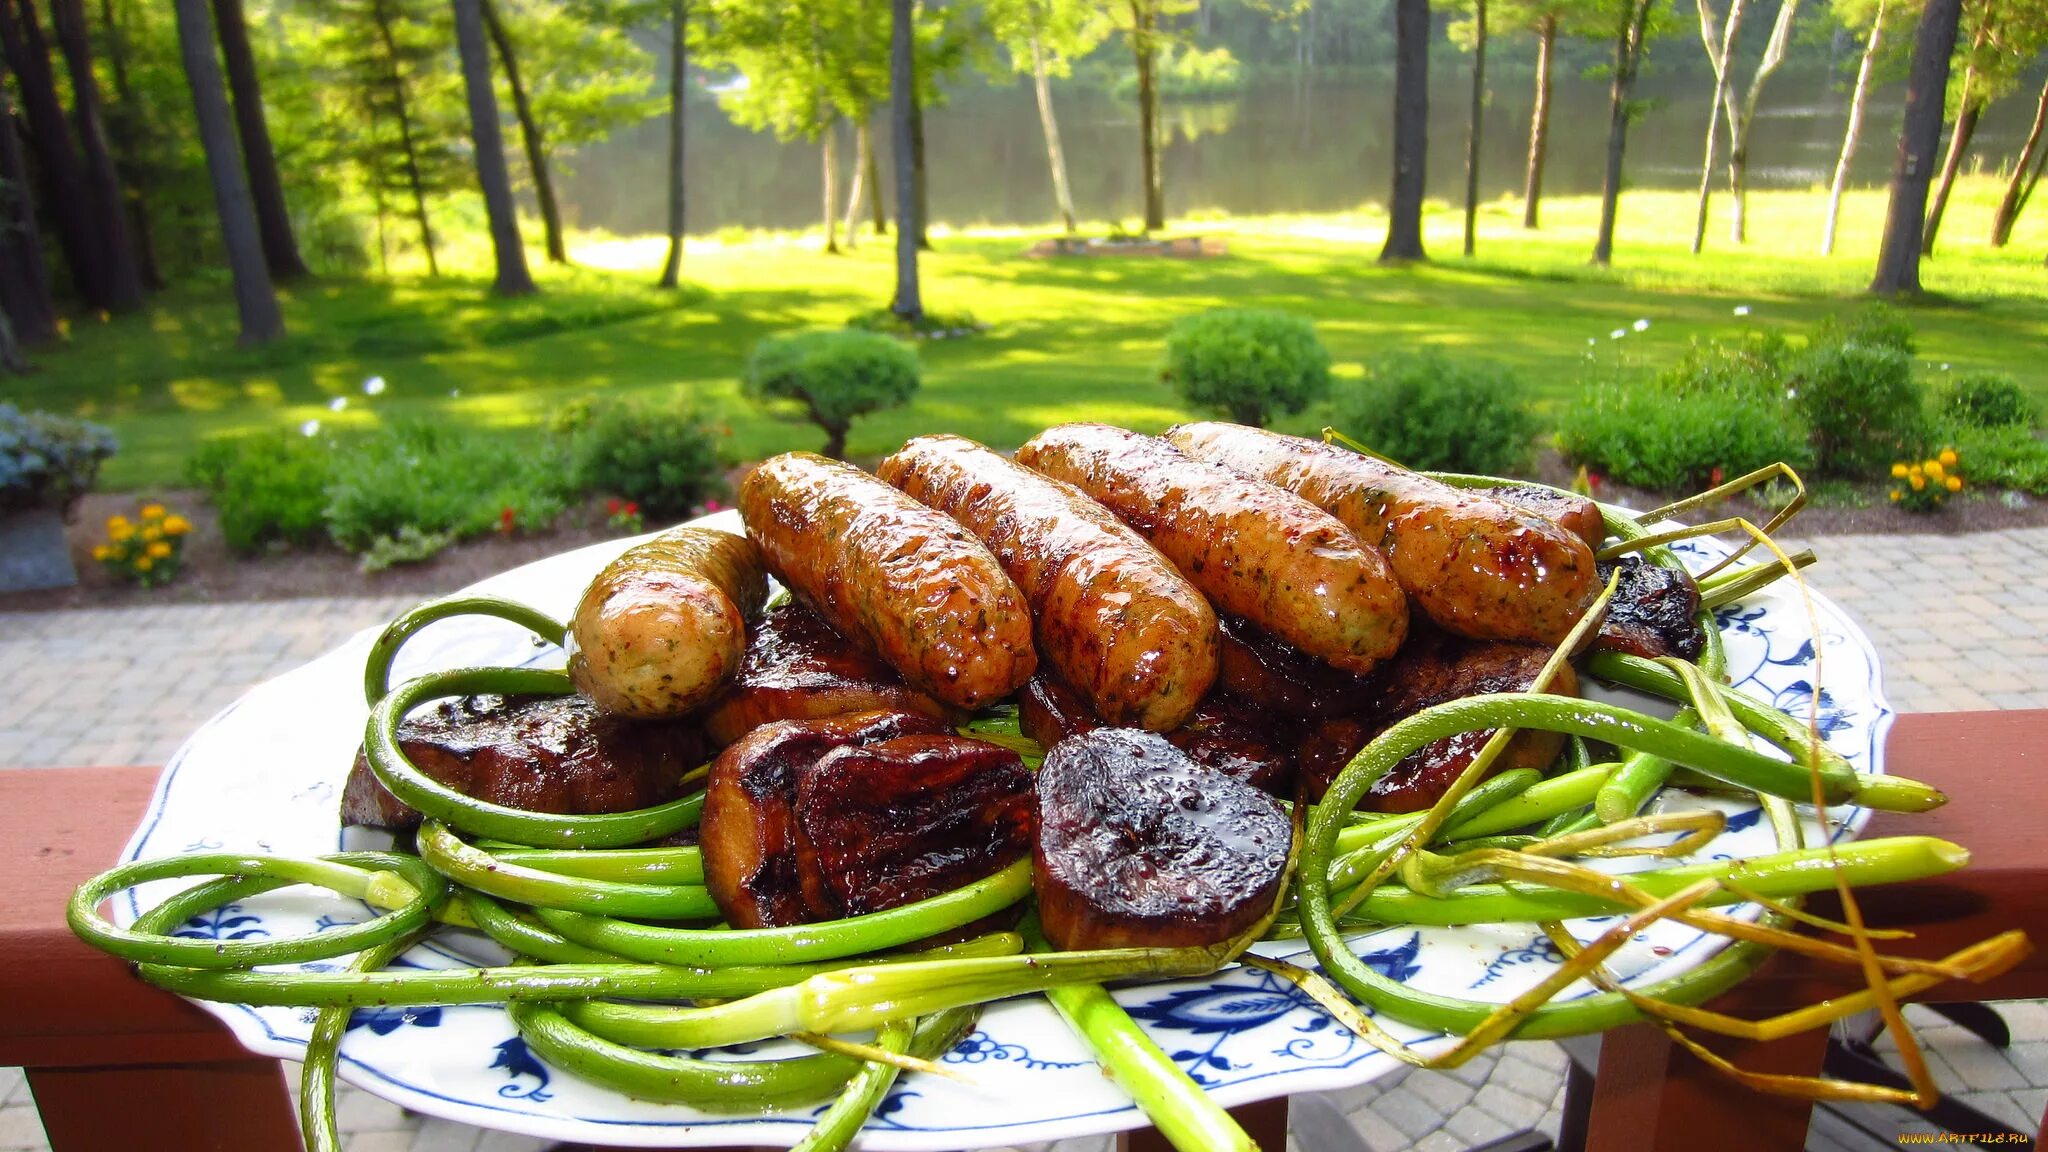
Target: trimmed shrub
x=1430 y=411
x=1754 y=366
x=1877 y=324
x=664 y=457
x=1252 y=365
x=2008 y=456
x=439 y=480
x=1862 y=405
x=833 y=377
x=1642 y=434
x=269 y=490
x=1988 y=400
x=47 y=460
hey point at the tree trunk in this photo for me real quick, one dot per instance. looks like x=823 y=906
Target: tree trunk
x=280 y=247
x=1058 y=159
x=24 y=281
x=507 y=249
x=530 y=136
x=1857 y=103
x=1628 y=55
x=878 y=214
x=28 y=57
x=1898 y=255
x=919 y=173
x=2009 y=204
x=678 y=63
x=829 y=150
x=11 y=359
x=102 y=180
x=1967 y=113
x=255 y=299
x=1738 y=125
x=1143 y=18
x=1539 y=120
x=909 y=301
x=381 y=13
x=1719 y=56
x=1472 y=128
x=1411 y=131
x=863 y=158
x=127 y=146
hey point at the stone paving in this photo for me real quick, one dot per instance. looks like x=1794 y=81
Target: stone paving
x=1961 y=622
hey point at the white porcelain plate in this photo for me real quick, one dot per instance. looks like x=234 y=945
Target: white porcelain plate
x=266 y=776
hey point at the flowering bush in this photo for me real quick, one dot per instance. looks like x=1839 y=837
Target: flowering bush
x=1924 y=485
x=146 y=550
x=624 y=517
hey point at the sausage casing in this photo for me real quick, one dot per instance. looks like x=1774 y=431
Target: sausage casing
x=1108 y=611
x=663 y=627
x=1254 y=550
x=1476 y=566
x=880 y=567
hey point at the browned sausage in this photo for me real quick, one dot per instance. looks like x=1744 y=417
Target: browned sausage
x=662 y=628
x=1476 y=566
x=1109 y=612
x=1254 y=550
x=880 y=567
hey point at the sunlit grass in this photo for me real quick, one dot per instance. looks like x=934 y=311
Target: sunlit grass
x=1071 y=339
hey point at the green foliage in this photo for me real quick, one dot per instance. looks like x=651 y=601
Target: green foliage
x=929 y=325
x=1988 y=400
x=268 y=490
x=1640 y=433
x=581 y=66
x=1861 y=403
x=1190 y=74
x=1751 y=366
x=834 y=377
x=409 y=546
x=1876 y=324
x=663 y=456
x=2006 y=456
x=1431 y=411
x=438 y=479
x=46 y=460
x=1253 y=365
x=1066 y=31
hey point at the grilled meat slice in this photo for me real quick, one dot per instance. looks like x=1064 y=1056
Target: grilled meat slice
x=1434 y=669
x=756 y=862
x=1049 y=711
x=1578 y=515
x=1228 y=736
x=1655 y=612
x=558 y=754
x=906 y=819
x=1140 y=846
x=798 y=668
x=1281 y=679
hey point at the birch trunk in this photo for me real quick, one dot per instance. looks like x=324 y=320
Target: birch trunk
x=1857 y=103
x=1053 y=154
x=1717 y=55
x=1539 y=121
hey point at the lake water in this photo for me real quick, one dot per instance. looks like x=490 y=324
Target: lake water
x=1277 y=147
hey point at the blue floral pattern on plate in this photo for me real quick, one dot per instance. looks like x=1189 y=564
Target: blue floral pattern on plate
x=266 y=771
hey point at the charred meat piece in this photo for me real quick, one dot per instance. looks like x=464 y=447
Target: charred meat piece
x=910 y=818
x=1578 y=515
x=755 y=861
x=1435 y=669
x=1049 y=711
x=1229 y=736
x=1140 y=846
x=558 y=754
x=1655 y=612
x=1277 y=677
x=798 y=668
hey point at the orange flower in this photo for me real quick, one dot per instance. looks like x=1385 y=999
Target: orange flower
x=160 y=550
x=176 y=525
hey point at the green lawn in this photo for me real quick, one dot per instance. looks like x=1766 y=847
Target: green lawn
x=1071 y=339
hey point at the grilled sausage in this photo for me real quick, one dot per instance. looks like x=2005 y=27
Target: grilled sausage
x=1108 y=611
x=881 y=567
x=663 y=627
x=1578 y=515
x=1474 y=565
x=1254 y=550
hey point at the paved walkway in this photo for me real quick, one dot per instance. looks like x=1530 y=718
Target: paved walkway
x=1962 y=623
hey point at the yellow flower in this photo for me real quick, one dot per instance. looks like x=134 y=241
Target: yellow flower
x=152 y=511
x=176 y=525
x=116 y=523
x=144 y=563
x=102 y=552
x=160 y=549
x=1898 y=471
x=1917 y=481
x=1897 y=495
x=152 y=533
x=121 y=531
x=1949 y=457
x=1933 y=468
x=1954 y=483
x=1913 y=473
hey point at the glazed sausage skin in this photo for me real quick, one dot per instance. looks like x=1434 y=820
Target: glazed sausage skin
x=1473 y=564
x=884 y=569
x=1253 y=550
x=1109 y=612
x=663 y=627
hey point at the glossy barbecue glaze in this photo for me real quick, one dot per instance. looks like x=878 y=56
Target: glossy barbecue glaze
x=1280 y=679
x=1655 y=612
x=662 y=628
x=798 y=668
x=1253 y=550
x=1226 y=734
x=557 y=754
x=1578 y=515
x=1139 y=846
x=1108 y=611
x=1475 y=565
x=906 y=579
